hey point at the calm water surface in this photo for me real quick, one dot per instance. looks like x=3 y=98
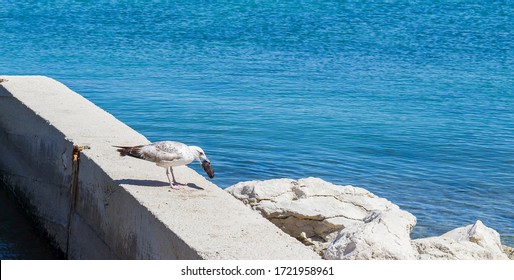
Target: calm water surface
x=411 y=100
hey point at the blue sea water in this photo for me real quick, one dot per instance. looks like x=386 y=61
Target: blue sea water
x=412 y=100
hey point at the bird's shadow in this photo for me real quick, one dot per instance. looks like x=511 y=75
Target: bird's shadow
x=153 y=183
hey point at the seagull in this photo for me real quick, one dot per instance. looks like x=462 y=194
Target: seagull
x=168 y=154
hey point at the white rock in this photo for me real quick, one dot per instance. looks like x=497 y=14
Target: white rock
x=315 y=211
x=346 y=222
x=253 y=192
x=509 y=251
x=382 y=235
x=472 y=242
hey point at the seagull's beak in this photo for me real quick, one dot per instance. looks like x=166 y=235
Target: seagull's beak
x=204 y=159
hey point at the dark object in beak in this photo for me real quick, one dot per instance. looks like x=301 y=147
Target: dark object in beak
x=208 y=169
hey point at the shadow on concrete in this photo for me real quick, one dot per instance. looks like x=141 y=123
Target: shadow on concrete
x=194 y=186
x=146 y=183
x=153 y=183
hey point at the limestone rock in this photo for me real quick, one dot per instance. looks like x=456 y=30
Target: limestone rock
x=315 y=211
x=509 y=251
x=346 y=222
x=472 y=242
x=382 y=235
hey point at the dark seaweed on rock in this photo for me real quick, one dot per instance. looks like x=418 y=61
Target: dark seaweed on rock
x=208 y=169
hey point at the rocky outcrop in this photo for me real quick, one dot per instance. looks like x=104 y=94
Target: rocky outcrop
x=472 y=242
x=315 y=211
x=381 y=235
x=509 y=251
x=346 y=222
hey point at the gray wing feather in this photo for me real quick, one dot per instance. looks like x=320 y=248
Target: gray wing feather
x=169 y=146
x=156 y=152
x=162 y=151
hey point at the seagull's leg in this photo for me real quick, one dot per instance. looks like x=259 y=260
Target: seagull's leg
x=172 y=184
x=175 y=183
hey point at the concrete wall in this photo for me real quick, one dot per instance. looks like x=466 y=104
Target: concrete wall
x=124 y=208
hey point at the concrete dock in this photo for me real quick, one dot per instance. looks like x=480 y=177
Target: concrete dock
x=95 y=204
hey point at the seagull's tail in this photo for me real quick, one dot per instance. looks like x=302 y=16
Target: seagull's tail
x=129 y=151
x=124 y=151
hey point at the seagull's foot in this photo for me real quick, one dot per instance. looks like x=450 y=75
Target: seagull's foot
x=177 y=186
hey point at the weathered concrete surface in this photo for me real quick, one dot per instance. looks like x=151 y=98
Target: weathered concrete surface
x=124 y=208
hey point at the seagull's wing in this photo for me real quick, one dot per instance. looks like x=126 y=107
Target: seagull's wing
x=171 y=147
x=162 y=151
x=156 y=152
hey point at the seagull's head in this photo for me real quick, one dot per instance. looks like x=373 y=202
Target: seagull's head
x=202 y=158
x=199 y=154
